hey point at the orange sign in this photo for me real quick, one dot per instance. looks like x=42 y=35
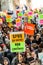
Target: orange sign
x=17 y=20
x=29 y=28
x=1 y=21
x=8 y=16
x=10 y=24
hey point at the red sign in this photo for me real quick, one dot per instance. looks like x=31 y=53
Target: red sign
x=29 y=28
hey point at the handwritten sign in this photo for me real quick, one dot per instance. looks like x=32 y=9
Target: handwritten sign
x=17 y=42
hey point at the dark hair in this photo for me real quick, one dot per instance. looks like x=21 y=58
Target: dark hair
x=19 y=63
x=5 y=58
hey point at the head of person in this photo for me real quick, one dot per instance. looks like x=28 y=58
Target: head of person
x=28 y=55
x=23 y=63
x=19 y=64
x=6 y=61
x=27 y=49
x=31 y=38
x=20 y=57
x=38 y=36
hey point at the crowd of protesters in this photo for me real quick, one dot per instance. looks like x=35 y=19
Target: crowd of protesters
x=33 y=44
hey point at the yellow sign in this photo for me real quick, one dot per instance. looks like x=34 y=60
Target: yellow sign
x=18 y=20
x=0 y=21
x=17 y=37
x=17 y=43
x=8 y=16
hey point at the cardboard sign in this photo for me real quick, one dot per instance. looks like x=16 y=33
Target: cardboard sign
x=1 y=21
x=17 y=43
x=41 y=22
x=40 y=55
x=8 y=18
x=29 y=28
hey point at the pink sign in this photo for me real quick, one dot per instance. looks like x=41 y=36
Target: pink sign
x=19 y=17
x=30 y=13
x=18 y=24
x=41 y=22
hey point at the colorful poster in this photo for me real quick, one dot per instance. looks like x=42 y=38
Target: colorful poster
x=17 y=43
x=29 y=28
x=8 y=18
x=41 y=22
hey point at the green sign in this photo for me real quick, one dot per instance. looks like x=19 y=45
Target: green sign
x=20 y=14
x=8 y=20
x=17 y=43
x=40 y=16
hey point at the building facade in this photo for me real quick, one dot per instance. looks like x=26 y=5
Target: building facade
x=13 y=4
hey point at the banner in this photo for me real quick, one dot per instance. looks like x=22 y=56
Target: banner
x=17 y=43
x=8 y=18
x=29 y=28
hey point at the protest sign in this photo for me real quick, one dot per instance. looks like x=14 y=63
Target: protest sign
x=40 y=16
x=1 y=21
x=41 y=22
x=10 y=25
x=29 y=28
x=17 y=43
x=20 y=14
x=30 y=13
x=18 y=20
x=40 y=55
x=18 y=24
x=8 y=18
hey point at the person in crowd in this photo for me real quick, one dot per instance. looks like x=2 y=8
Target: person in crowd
x=20 y=58
x=6 y=61
x=33 y=44
x=1 y=54
x=37 y=39
x=19 y=64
